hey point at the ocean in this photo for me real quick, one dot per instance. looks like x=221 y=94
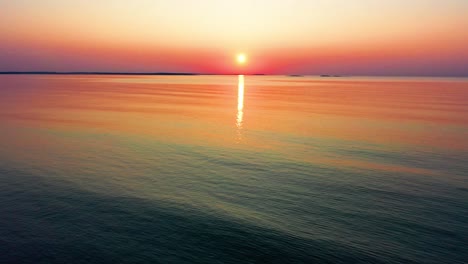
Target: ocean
x=233 y=169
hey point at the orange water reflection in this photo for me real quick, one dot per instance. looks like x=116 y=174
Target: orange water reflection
x=298 y=118
x=240 y=106
x=195 y=109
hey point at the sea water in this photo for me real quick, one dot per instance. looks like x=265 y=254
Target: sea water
x=233 y=169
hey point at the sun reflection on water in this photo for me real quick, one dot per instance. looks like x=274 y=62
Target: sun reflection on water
x=240 y=107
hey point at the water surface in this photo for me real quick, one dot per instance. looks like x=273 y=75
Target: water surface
x=233 y=169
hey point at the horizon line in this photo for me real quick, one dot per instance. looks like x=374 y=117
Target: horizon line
x=194 y=74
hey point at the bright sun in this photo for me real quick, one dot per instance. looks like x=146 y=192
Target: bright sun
x=241 y=58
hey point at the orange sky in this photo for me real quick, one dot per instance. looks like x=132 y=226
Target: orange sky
x=307 y=37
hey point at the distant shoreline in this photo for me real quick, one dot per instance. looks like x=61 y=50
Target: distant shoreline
x=118 y=73
x=102 y=73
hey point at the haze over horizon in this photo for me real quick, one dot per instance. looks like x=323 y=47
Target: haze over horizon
x=424 y=38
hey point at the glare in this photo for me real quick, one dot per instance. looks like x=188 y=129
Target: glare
x=240 y=107
x=241 y=58
x=240 y=94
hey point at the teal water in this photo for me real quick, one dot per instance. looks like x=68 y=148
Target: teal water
x=228 y=169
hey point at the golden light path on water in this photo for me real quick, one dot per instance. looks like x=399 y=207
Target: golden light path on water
x=240 y=107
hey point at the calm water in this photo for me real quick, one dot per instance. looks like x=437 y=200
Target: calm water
x=233 y=169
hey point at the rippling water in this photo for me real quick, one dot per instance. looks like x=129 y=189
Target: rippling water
x=233 y=169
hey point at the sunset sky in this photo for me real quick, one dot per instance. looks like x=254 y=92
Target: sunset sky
x=365 y=37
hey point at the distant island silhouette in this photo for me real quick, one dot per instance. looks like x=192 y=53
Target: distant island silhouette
x=328 y=75
x=295 y=75
x=120 y=73
x=100 y=73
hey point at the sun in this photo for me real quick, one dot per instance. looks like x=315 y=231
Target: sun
x=241 y=58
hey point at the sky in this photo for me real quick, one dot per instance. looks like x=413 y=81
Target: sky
x=347 y=37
